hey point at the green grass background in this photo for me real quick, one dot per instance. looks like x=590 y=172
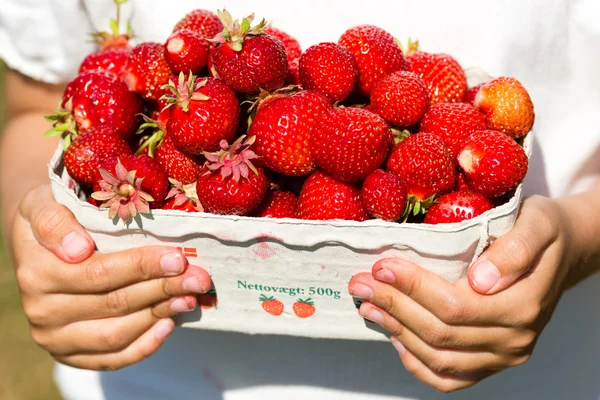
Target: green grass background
x=25 y=369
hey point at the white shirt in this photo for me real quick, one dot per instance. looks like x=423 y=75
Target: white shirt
x=553 y=47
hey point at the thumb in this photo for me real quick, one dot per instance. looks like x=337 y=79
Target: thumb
x=511 y=256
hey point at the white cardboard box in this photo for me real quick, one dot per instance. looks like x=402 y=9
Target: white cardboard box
x=290 y=259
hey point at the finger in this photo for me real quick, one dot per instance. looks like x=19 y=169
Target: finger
x=441 y=382
x=140 y=349
x=106 y=272
x=55 y=227
x=129 y=299
x=448 y=302
x=512 y=255
x=112 y=334
x=412 y=318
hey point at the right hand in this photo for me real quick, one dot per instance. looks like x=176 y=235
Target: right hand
x=92 y=310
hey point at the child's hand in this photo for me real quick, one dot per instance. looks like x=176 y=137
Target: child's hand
x=448 y=335
x=92 y=310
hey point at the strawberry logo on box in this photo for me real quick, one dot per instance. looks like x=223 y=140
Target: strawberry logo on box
x=271 y=305
x=304 y=308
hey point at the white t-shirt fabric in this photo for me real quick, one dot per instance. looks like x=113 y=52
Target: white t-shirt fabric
x=553 y=47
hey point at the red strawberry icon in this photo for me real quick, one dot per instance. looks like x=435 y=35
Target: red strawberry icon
x=304 y=308
x=271 y=305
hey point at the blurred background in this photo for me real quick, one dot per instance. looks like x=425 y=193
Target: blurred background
x=25 y=370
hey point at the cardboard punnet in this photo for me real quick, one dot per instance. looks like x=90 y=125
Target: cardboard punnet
x=287 y=260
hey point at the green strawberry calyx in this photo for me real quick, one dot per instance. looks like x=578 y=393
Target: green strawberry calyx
x=63 y=124
x=415 y=207
x=235 y=32
x=184 y=193
x=264 y=298
x=150 y=142
x=233 y=160
x=184 y=91
x=114 y=38
x=308 y=301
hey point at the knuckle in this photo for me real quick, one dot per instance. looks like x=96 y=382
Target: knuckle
x=530 y=314
x=40 y=337
x=37 y=314
x=441 y=363
x=25 y=278
x=412 y=285
x=447 y=386
x=452 y=310
x=517 y=250
x=520 y=360
x=113 y=340
x=110 y=364
x=522 y=342
x=49 y=219
x=438 y=335
x=117 y=302
x=137 y=261
x=96 y=274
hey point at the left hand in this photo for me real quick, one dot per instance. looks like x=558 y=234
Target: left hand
x=449 y=335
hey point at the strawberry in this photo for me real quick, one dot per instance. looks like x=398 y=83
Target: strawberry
x=445 y=79
x=209 y=300
x=283 y=126
x=472 y=93
x=271 y=305
x=246 y=58
x=293 y=50
x=324 y=198
x=83 y=157
x=304 y=308
x=401 y=98
x=493 y=163
x=111 y=60
x=330 y=69
x=376 y=52
x=129 y=185
x=186 y=51
x=97 y=98
x=350 y=143
x=182 y=198
x=425 y=165
x=232 y=185
x=203 y=113
x=205 y=23
x=461 y=183
x=384 y=196
x=277 y=204
x=114 y=39
x=507 y=106
x=147 y=70
x=457 y=207
x=453 y=123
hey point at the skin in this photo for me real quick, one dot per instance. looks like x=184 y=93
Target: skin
x=453 y=335
x=87 y=309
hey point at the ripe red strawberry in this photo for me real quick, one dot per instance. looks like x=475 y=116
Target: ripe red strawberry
x=350 y=143
x=271 y=305
x=293 y=50
x=445 y=79
x=324 y=198
x=384 y=196
x=277 y=204
x=209 y=300
x=83 y=157
x=283 y=127
x=401 y=98
x=97 y=98
x=187 y=51
x=182 y=198
x=472 y=93
x=461 y=183
x=304 y=308
x=453 y=123
x=246 y=58
x=425 y=165
x=232 y=184
x=129 y=185
x=507 y=106
x=147 y=70
x=330 y=69
x=111 y=60
x=203 y=22
x=493 y=163
x=204 y=112
x=376 y=52
x=457 y=207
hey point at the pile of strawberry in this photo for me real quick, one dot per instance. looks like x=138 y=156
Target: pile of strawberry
x=234 y=119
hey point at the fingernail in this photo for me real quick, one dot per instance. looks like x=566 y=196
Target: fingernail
x=372 y=315
x=180 y=306
x=399 y=346
x=485 y=276
x=362 y=291
x=193 y=285
x=75 y=244
x=163 y=328
x=172 y=263
x=385 y=275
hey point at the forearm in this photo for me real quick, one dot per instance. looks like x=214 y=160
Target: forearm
x=583 y=215
x=24 y=154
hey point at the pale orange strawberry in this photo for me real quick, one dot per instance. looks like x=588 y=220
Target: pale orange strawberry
x=271 y=305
